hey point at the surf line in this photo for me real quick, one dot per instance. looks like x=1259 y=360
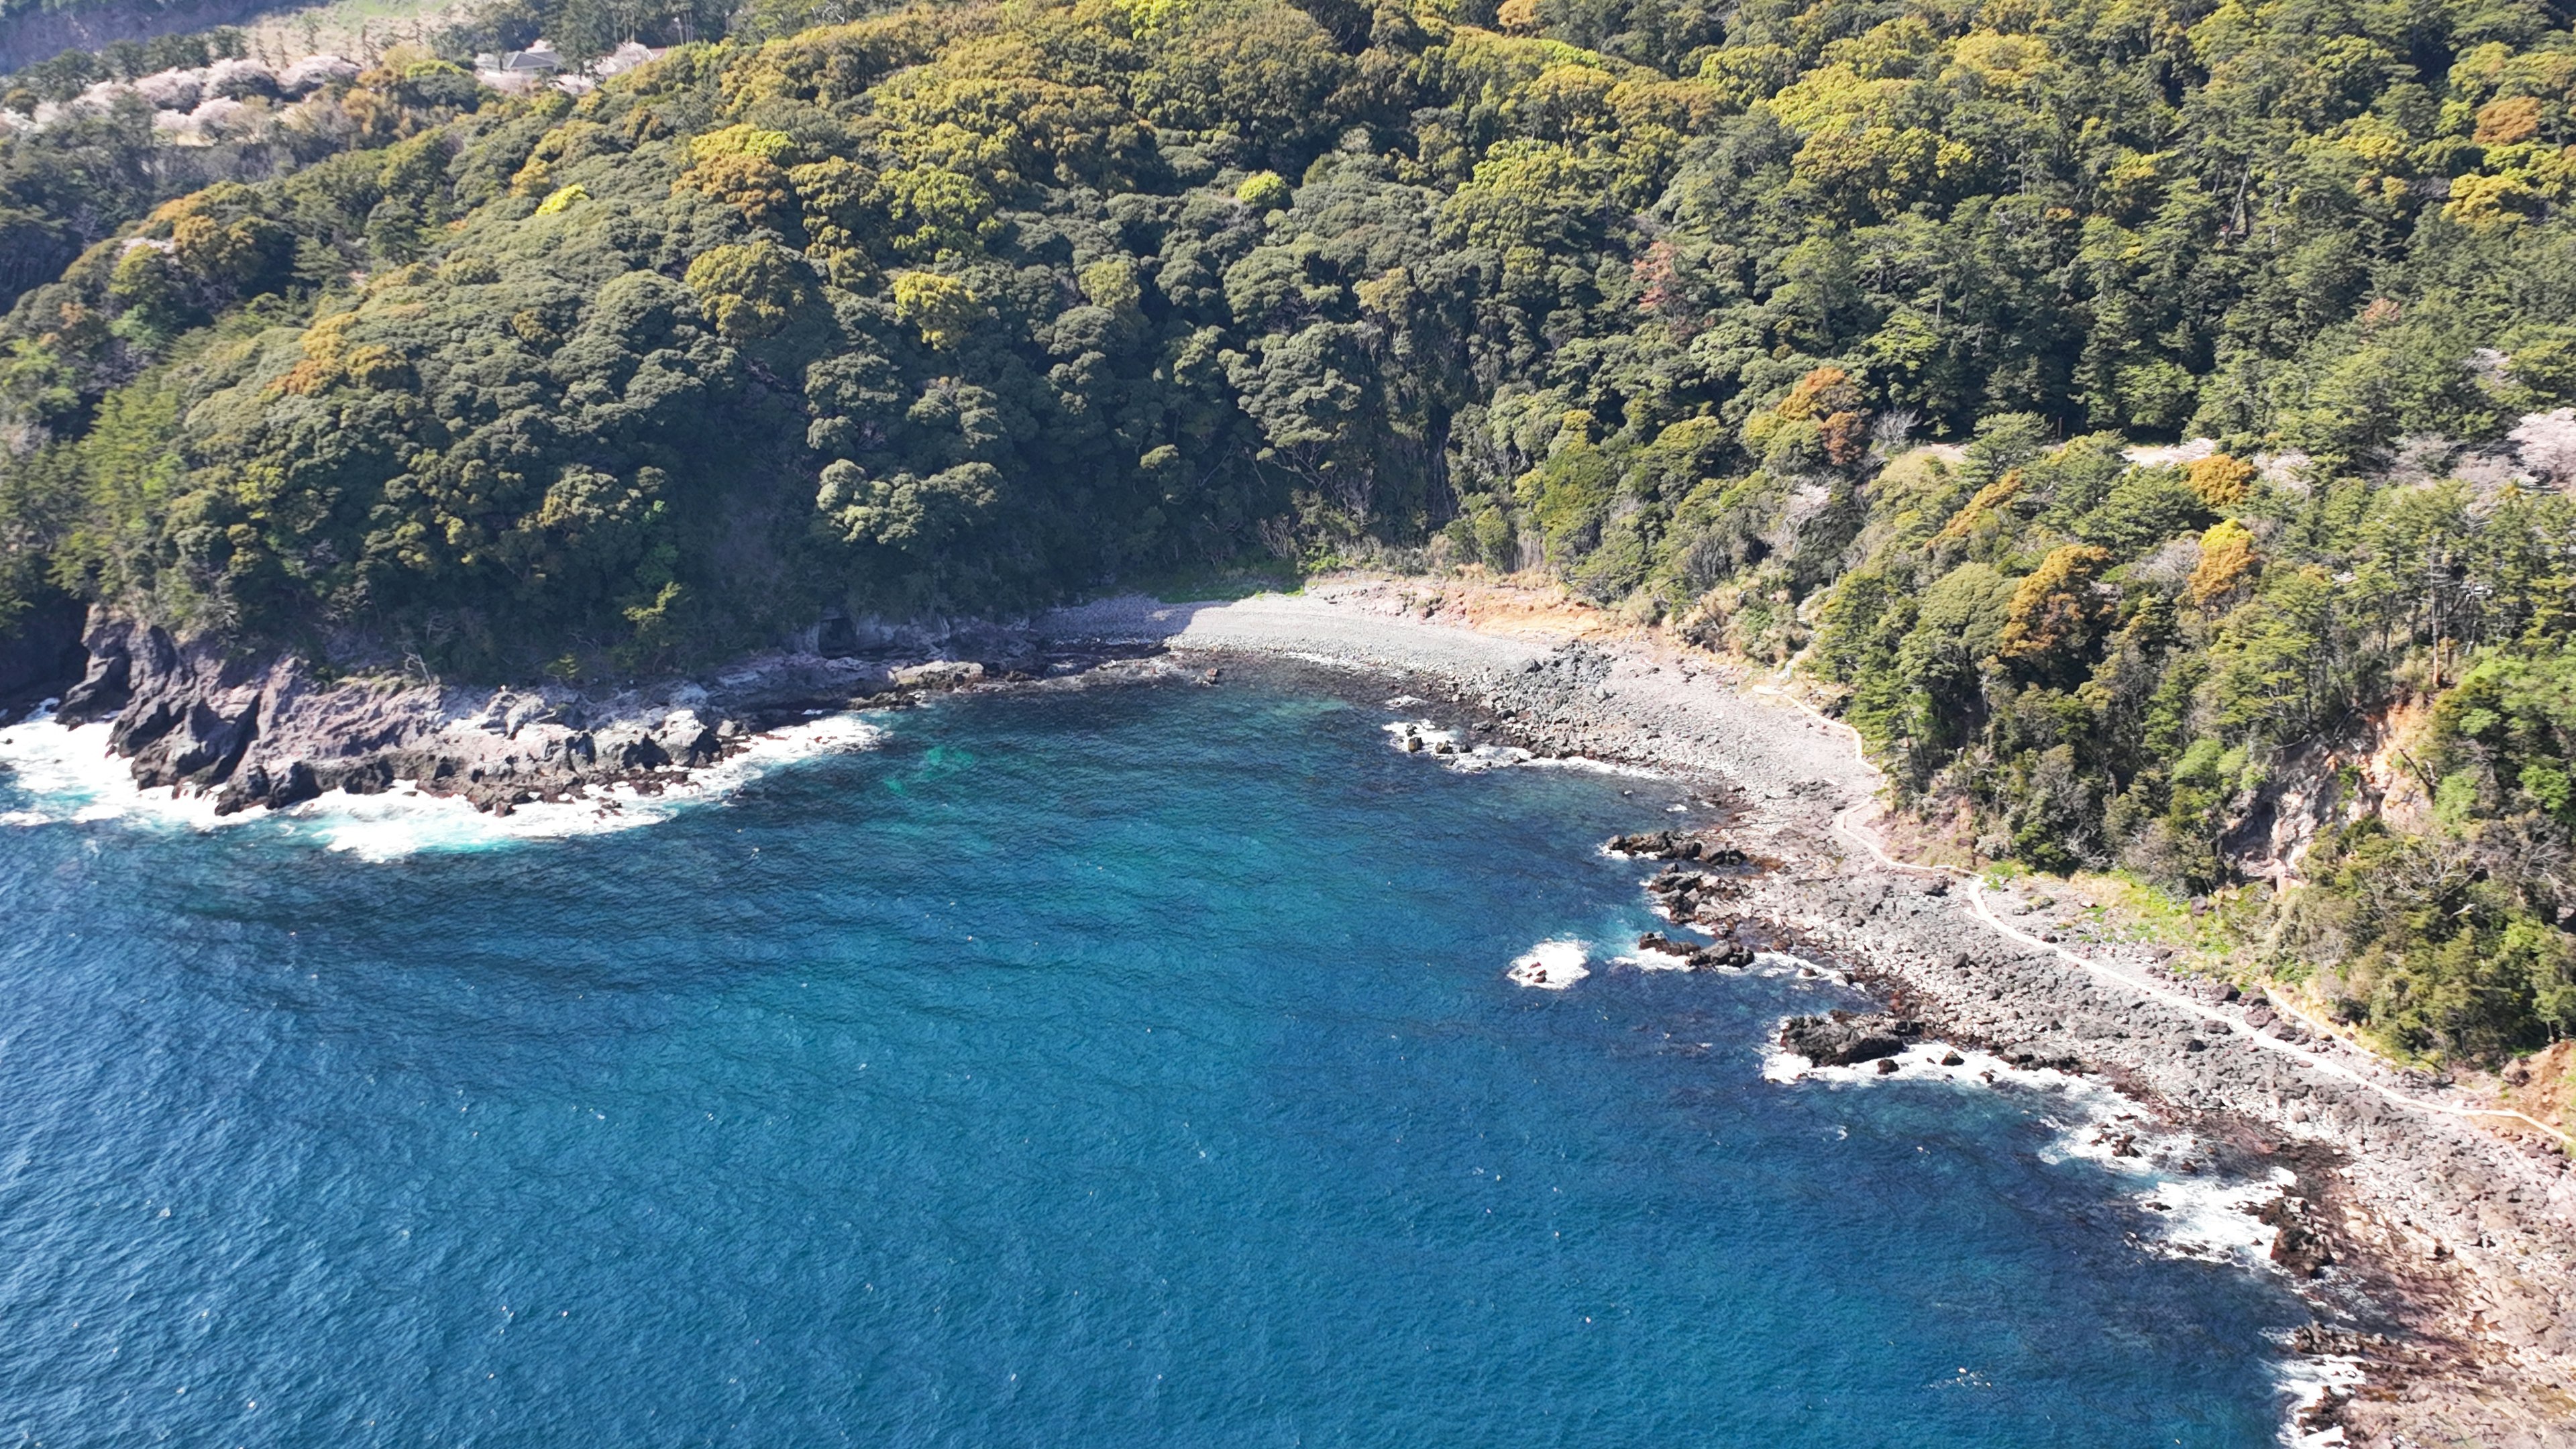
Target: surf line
x=1845 y=826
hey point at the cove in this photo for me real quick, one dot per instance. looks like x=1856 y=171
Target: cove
x=1104 y=1066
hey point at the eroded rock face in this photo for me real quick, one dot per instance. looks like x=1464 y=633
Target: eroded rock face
x=1842 y=1038
x=939 y=674
x=264 y=731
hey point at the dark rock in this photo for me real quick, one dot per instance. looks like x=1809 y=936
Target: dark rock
x=1700 y=958
x=2300 y=1246
x=693 y=748
x=248 y=788
x=640 y=754
x=104 y=690
x=298 y=785
x=1675 y=845
x=144 y=724
x=835 y=638
x=1887 y=1066
x=257 y=786
x=1842 y=1038
x=366 y=777
x=199 y=747
x=1953 y=1059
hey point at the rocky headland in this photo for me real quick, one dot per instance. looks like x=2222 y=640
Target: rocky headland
x=273 y=731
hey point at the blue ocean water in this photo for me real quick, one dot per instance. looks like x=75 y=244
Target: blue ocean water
x=1120 y=1066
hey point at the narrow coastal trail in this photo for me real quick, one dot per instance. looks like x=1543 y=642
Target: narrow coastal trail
x=1846 y=826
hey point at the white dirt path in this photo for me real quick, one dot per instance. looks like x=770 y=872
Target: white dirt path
x=1846 y=825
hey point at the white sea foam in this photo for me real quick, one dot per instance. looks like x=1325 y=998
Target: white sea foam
x=2307 y=1379
x=1428 y=740
x=1590 y=766
x=2195 y=1214
x=1421 y=736
x=1551 y=965
x=70 y=776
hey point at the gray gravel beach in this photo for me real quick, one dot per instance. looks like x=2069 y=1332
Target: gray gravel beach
x=2462 y=1232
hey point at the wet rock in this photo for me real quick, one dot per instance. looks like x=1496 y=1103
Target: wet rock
x=1675 y=845
x=624 y=751
x=360 y=777
x=259 y=787
x=686 y=739
x=2300 y=1246
x=1844 y=1038
x=1723 y=955
x=191 y=744
x=101 y=692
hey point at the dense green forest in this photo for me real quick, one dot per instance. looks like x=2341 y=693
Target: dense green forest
x=1822 y=332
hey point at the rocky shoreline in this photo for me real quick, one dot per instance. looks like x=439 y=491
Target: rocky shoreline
x=2439 y=1253
x=272 y=732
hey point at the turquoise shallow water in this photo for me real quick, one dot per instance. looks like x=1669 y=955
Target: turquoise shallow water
x=1117 y=1067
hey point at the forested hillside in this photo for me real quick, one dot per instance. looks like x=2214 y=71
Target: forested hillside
x=1822 y=332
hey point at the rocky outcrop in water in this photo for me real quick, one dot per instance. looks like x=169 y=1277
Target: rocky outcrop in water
x=1701 y=846
x=1723 y=955
x=1697 y=897
x=2299 y=1244
x=1845 y=1038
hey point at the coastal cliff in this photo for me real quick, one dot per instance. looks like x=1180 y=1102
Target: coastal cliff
x=271 y=730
